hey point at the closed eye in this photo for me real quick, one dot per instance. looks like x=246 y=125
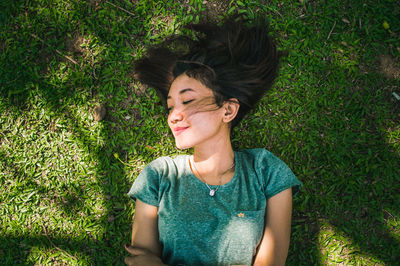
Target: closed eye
x=187 y=102
x=169 y=109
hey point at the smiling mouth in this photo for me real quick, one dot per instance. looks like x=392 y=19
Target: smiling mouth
x=179 y=130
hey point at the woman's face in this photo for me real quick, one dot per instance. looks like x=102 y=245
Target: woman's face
x=194 y=117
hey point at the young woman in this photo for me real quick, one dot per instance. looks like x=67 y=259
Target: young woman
x=218 y=206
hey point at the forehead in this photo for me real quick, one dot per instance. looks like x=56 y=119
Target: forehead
x=184 y=84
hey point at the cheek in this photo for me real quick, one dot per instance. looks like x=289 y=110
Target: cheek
x=205 y=121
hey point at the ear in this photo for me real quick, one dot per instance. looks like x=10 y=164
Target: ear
x=231 y=108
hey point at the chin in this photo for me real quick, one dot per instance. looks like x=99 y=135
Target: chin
x=184 y=142
x=183 y=146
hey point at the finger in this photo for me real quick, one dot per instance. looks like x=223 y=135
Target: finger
x=129 y=260
x=135 y=251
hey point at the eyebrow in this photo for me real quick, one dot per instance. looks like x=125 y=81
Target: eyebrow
x=182 y=92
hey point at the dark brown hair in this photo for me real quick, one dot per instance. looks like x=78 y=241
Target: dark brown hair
x=237 y=59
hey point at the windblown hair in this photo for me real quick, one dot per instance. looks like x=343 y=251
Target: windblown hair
x=235 y=60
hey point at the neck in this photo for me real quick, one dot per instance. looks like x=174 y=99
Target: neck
x=213 y=160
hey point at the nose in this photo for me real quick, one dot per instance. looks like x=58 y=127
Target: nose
x=175 y=115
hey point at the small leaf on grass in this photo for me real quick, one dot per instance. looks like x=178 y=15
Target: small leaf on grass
x=385 y=25
x=149 y=148
x=231 y=10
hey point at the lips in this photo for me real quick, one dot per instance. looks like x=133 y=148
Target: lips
x=179 y=130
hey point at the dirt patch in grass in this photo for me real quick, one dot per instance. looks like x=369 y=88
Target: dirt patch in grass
x=95 y=3
x=389 y=67
x=99 y=112
x=137 y=87
x=73 y=44
x=213 y=10
x=384 y=64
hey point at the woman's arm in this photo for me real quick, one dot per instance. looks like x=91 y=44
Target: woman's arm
x=145 y=247
x=274 y=245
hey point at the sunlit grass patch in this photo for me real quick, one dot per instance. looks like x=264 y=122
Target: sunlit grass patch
x=337 y=249
x=393 y=222
x=392 y=135
x=55 y=256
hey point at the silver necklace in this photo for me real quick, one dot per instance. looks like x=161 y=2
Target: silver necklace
x=212 y=190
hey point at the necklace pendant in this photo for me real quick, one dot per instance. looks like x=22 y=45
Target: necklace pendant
x=212 y=192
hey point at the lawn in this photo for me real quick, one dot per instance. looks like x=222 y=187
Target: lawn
x=76 y=128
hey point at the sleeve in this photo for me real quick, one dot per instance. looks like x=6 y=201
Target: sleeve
x=146 y=186
x=277 y=176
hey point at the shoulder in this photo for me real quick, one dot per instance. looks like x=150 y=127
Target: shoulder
x=273 y=173
x=160 y=163
x=155 y=178
x=166 y=165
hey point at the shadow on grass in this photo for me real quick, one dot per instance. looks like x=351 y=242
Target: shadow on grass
x=351 y=183
x=25 y=69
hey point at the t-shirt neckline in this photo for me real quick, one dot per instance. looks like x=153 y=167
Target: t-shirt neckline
x=228 y=184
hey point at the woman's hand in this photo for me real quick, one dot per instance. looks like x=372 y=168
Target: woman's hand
x=140 y=256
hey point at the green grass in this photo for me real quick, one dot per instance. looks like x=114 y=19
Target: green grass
x=331 y=117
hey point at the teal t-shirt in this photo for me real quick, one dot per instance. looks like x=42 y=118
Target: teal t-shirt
x=197 y=229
